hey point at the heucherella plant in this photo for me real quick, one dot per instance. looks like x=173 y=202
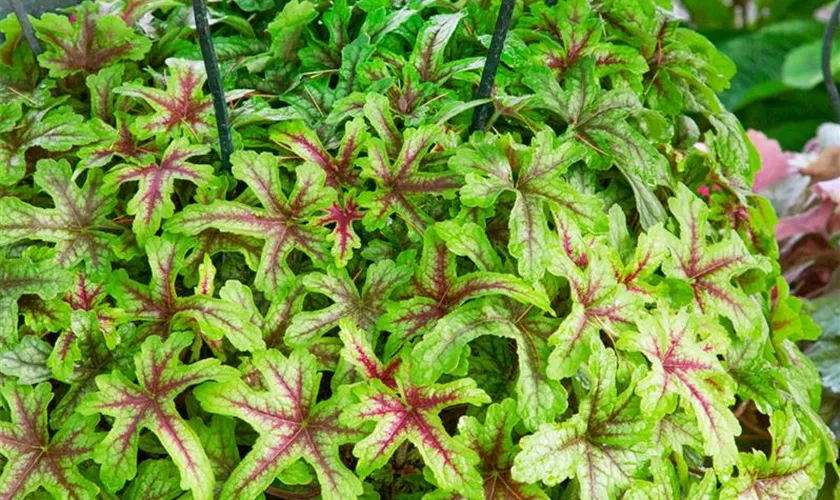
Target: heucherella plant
x=375 y=300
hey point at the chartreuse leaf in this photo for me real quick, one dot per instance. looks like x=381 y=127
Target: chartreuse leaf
x=488 y=165
x=34 y=458
x=285 y=222
x=794 y=468
x=364 y=307
x=158 y=309
x=440 y=352
x=88 y=44
x=436 y=290
x=77 y=224
x=292 y=425
x=601 y=446
x=601 y=303
x=400 y=184
x=404 y=411
x=30 y=274
x=709 y=268
x=683 y=350
x=157 y=182
x=181 y=109
x=150 y=404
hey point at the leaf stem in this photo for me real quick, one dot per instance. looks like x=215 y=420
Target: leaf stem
x=828 y=76
x=488 y=75
x=26 y=26
x=214 y=81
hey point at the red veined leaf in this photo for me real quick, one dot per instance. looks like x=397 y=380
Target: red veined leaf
x=101 y=86
x=488 y=165
x=158 y=309
x=77 y=224
x=304 y=143
x=400 y=183
x=600 y=302
x=684 y=366
x=343 y=236
x=427 y=56
x=291 y=423
x=133 y=11
x=30 y=274
x=50 y=128
x=409 y=412
x=149 y=404
x=113 y=143
x=540 y=399
x=436 y=290
x=92 y=42
x=492 y=442
x=157 y=182
x=285 y=223
x=359 y=353
x=601 y=446
x=709 y=268
x=364 y=307
x=570 y=31
x=181 y=109
x=36 y=459
x=377 y=110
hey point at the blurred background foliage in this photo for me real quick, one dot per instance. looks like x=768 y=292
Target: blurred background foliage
x=776 y=45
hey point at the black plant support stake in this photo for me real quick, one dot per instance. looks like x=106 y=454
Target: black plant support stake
x=214 y=80
x=828 y=76
x=28 y=32
x=488 y=75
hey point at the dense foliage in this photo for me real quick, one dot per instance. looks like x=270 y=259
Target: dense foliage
x=582 y=301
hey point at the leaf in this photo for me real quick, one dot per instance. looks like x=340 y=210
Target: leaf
x=77 y=224
x=683 y=352
x=601 y=446
x=304 y=143
x=156 y=479
x=37 y=459
x=601 y=303
x=343 y=236
x=159 y=310
x=88 y=44
x=488 y=166
x=285 y=223
x=150 y=405
x=27 y=361
x=363 y=308
x=101 y=86
x=710 y=267
x=111 y=143
x=291 y=424
x=401 y=183
x=792 y=470
x=156 y=184
x=26 y=275
x=436 y=290
x=440 y=352
x=598 y=121
x=427 y=55
x=180 y=110
x=405 y=411
x=53 y=129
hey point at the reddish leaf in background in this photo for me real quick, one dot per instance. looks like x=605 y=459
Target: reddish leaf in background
x=36 y=459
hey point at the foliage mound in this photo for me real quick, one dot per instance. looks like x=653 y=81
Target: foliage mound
x=375 y=302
